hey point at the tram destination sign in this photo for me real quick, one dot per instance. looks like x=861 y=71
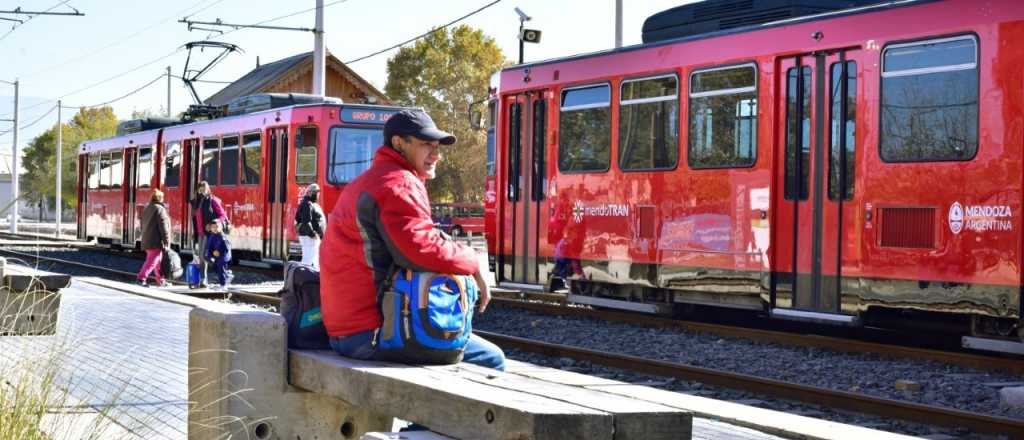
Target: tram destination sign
x=365 y=115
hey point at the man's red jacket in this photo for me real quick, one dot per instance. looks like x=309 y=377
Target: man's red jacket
x=382 y=218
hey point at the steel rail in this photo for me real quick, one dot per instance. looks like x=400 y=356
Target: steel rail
x=932 y=415
x=927 y=414
x=516 y=300
x=981 y=362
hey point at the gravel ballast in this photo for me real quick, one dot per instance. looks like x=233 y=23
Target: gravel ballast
x=932 y=383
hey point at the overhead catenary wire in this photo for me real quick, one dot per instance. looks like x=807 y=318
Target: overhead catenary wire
x=481 y=9
x=103 y=81
x=22 y=127
x=292 y=14
x=162 y=76
x=282 y=17
x=204 y=80
x=13 y=28
x=129 y=37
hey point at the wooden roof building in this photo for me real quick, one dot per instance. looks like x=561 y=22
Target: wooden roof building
x=295 y=75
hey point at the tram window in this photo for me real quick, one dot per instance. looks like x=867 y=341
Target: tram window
x=515 y=151
x=94 y=171
x=305 y=155
x=211 y=161
x=794 y=105
x=351 y=152
x=723 y=117
x=845 y=123
x=929 y=109
x=585 y=121
x=649 y=123
x=252 y=159
x=539 y=169
x=145 y=171
x=104 y=170
x=116 y=169
x=491 y=141
x=172 y=164
x=229 y=160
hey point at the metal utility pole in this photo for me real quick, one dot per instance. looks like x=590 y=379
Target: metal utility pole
x=319 y=57
x=618 y=24
x=523 y=18
x=14 y=165
x=60 y=166
x=168 y=91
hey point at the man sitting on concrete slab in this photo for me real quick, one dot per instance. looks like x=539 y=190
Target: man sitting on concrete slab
x=383 y=219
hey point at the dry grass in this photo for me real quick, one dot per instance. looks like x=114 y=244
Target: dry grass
x=35 y=398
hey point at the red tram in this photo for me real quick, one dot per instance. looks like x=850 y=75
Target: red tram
x=258 y=163
x=860 y=167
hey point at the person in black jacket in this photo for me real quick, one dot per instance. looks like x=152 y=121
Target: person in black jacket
x=309 y=224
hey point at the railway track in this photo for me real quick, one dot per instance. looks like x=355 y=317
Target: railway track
x=554 y=305
x=250 y=297
x=928 y=414
x=889 y=408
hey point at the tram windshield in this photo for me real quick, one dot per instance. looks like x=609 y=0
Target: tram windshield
x=351 y=152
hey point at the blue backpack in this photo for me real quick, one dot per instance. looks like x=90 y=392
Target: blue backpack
x=425 y=317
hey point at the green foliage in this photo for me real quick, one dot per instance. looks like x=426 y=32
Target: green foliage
x=444 y=73
x=38 y=183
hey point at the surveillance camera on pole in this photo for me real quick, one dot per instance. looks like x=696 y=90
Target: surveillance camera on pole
x=522 y=15
x=525 y=35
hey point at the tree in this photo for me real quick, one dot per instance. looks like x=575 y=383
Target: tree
x=443 y=73
x=39 y=156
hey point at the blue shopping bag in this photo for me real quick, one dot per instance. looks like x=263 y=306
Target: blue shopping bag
x=193 y=275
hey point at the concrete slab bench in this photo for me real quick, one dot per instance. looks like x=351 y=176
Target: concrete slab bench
x=244 y=382
x=29 y=300
x=472 y=402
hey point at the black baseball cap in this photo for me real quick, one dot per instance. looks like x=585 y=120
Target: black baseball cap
x=416 y=122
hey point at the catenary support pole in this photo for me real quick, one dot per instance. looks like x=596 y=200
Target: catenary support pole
x=319 y=57
x=60 y=165
x=168 y=91
x=14 y=165
x=618 y=23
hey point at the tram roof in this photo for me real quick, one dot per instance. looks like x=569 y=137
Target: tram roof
x=187 y=130
x=725 y=32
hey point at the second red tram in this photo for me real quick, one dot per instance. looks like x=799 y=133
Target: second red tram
x=258 y=163
x=856 y=167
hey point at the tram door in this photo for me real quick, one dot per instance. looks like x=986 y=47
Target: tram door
x=275 y=245
x=193 y=171
x=84 y=174
x=814 y=214
x=131 y=171
x=525 y=188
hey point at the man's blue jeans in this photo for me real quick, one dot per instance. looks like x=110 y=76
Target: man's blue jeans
x=479 y=351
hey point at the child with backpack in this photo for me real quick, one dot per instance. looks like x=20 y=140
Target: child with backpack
x=218 y=253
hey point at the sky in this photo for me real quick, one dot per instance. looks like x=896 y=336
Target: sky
x=121 y=45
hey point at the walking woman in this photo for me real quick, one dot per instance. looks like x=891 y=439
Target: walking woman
x=309 y=223
x=156 y=236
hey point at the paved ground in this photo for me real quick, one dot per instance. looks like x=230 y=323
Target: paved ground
x=114 y=353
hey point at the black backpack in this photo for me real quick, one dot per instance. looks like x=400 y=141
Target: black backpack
x=170 y=265
x=300 y=307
